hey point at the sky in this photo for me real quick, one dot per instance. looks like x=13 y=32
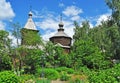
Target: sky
x=46 y=14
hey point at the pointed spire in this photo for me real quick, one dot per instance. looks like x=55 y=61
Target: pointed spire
x=61 y=25
x=30 y=13
x=30 y=23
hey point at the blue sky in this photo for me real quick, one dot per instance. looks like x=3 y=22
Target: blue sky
x=46 y=14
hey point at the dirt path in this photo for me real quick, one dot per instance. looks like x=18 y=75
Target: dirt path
x=58 y=81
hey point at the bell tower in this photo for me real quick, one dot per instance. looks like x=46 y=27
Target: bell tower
x=61 y=38
x=29 y=32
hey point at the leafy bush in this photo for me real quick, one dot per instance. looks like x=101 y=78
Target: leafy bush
x=65 y=69
x=77 y=81
x=64 y=77
x=106 y=76
x=101 y=77
x=8 y=77
x=26 y=77
x=84 y=70
x=43 y=81
x=51 y=74
x=5 y=62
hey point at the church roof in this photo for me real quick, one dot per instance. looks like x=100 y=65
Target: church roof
x=30 y=23
x=60 y=33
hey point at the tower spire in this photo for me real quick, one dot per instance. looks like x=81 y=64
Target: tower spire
x=61 y=17
x=30 y=8
x=61 y=23
x=30 y=12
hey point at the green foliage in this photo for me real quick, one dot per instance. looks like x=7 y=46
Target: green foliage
x=51 y=74
x=5 y=62
x=88 y=54
x=100 y=77
x=5 y=59
x=93 y=47
x=105 y=76
x=8 y=77
x=65 y=69
x=33 y=60
x=64 y=77
x=27 y=35
x=84 y=70
x=43 y=81
x=25 y=78
x=77 y=81
x=55 y=56
x=16 y=32
x=114 y=5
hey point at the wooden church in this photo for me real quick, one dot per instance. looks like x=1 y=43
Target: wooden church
x=30 y=32
x=61 y=38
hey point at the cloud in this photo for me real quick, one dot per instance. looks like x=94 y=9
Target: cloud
x=14 y=40
x=72 y=11
x=48 y=34
x=74 y=18
x=6 y=12
x=91 y=25
x=103 y=17
x=49 y=23
x=61 y=5
x=2 y=25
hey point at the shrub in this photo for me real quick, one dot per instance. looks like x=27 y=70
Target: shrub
x=8 y=77
x=26 y=77
x=65 y=69
x=84 y=70
x=106 y=76
x=43 y=81
x=101 y=77
x=5 y=62
x=76 y=81
x=51 y=74
x=64 y=77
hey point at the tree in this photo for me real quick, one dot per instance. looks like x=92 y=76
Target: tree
x=114 y=5
x=31 y=38
x=32 y=60
x=5 y=59
x=16 y=56
x=87 y=47
x=55 y=56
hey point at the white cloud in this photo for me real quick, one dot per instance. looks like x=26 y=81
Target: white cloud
x=68 y=30
x=103 y=17
x=91 y=25
x=48 y=34
x=74 y=18
x=14 y=40
x=72 y=11
x=2 y=25
x=61 y=5
x=6 y=12
x=49 y=23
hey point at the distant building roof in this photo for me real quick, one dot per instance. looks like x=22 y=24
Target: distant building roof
x=30 y=23
x=60 y=33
